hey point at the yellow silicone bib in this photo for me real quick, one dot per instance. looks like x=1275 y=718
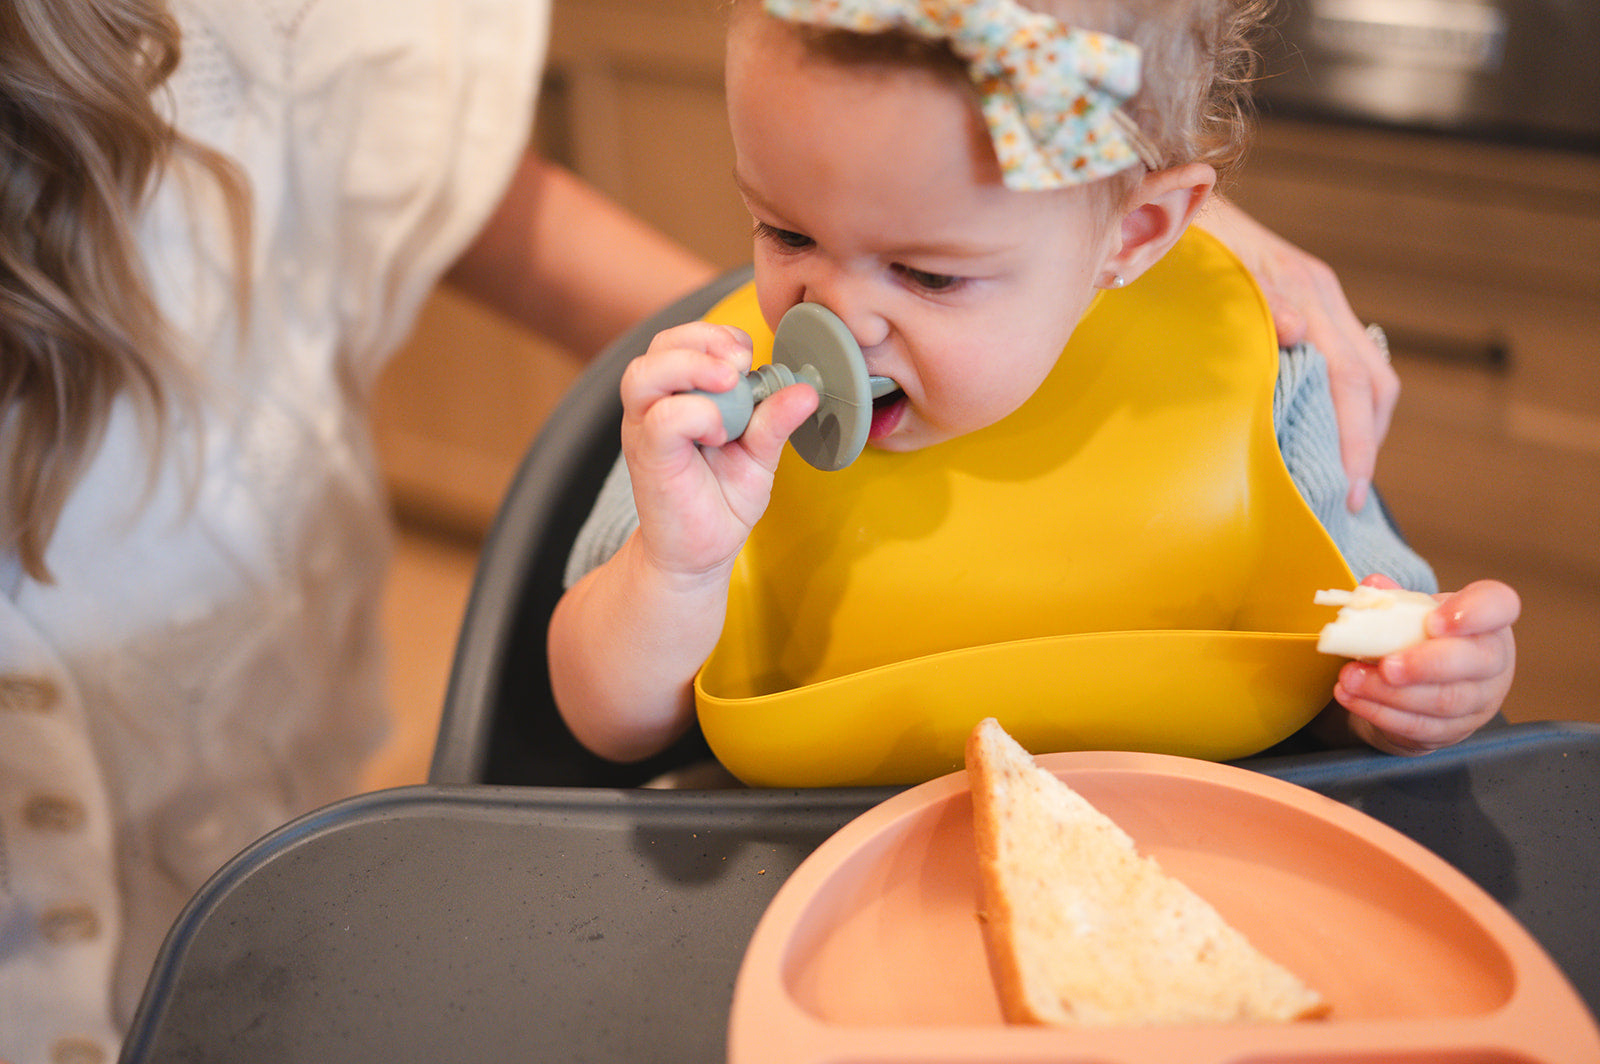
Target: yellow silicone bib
x=1123 y=563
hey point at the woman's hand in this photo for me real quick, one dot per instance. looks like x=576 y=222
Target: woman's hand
x=1442 y=690
x=1308 y=305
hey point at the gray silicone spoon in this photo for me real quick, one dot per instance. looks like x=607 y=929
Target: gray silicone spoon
x=812 y=346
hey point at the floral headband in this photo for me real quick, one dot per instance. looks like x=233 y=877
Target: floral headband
x=1051 y=94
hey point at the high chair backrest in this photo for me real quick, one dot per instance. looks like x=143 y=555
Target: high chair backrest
x=500 y=723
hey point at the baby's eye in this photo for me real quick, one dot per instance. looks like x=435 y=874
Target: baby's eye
x=929 y=282
x=784 y=237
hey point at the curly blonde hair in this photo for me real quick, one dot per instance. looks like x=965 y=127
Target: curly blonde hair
x=82 y=143
x=1199 y=63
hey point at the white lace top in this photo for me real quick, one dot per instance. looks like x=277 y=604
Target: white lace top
x=207 y=664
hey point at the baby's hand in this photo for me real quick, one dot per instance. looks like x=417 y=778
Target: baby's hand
x=1440 y=691
x=699 y=495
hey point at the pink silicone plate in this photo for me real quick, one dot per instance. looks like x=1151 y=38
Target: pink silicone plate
x=871 y=953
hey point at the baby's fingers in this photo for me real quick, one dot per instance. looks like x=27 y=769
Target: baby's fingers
x=774 y=421
x=1399 y=731
x=1449 y=660
x=1469 y=642
x=697 y=355
x=1415 y=718
x=1482 y=606
x=1432 y=695
x=658 y=409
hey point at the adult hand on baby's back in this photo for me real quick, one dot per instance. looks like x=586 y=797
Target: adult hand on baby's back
x=1440 y=691
x=1309 y=306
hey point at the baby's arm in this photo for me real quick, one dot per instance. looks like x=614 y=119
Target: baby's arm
x=1439 y=691
x=626 y=641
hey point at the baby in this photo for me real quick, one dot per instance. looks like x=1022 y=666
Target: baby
x=958 y=182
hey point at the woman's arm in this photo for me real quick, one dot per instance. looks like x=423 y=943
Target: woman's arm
x=570 y=264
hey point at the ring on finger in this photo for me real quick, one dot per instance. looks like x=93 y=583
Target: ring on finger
x=1380 y=339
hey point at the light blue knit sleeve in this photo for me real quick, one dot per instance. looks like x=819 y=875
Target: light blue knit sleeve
x=1308 y=438
x=610 y=523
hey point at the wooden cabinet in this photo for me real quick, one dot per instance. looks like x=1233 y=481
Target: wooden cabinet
x=457 y=408
x=1483 y=263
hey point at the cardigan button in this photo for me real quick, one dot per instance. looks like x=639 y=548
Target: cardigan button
x=77 y=1051
x=28 y=694
x=69 y=923
x=54 y=812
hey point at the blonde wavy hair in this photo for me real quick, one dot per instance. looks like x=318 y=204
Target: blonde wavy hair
x=82 y=143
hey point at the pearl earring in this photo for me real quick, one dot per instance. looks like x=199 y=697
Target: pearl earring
x=1117 y=281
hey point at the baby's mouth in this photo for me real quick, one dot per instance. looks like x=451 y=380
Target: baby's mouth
x=888 y=404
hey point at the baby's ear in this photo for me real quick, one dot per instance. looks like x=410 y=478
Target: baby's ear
x=1155 y=214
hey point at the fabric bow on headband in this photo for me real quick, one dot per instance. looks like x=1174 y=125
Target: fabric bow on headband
x=1050 y=94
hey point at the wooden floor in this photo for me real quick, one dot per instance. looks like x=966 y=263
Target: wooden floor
x=427 y=597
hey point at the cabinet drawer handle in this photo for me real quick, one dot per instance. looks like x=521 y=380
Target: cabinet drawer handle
x=1491 y=353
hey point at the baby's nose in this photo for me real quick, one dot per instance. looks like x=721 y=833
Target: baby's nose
x=869 y=327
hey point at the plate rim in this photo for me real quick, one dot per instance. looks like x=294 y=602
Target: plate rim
x=1534 y=975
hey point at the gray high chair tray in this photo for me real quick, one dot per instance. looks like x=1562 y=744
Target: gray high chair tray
x=447 y=923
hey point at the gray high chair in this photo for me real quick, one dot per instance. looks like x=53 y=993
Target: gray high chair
x=500 y=723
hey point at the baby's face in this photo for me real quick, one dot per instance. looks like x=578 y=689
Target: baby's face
x=876 y=193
